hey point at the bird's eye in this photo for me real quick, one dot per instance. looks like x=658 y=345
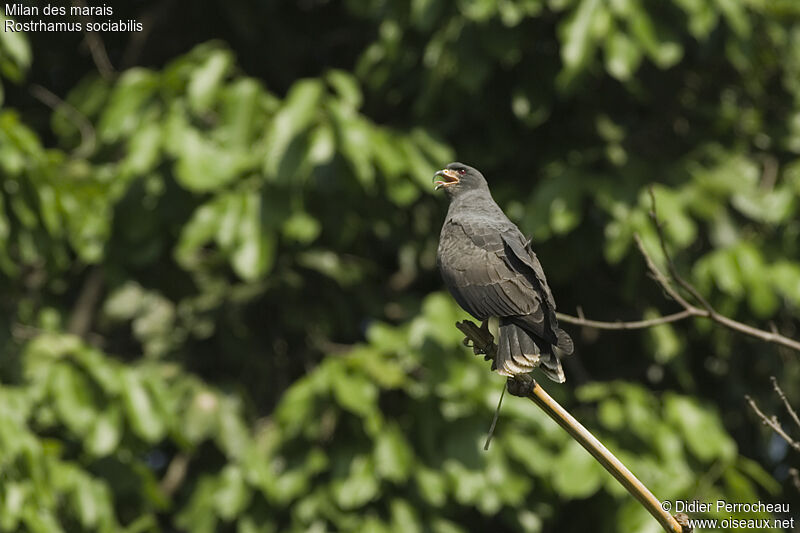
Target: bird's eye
x=462 y=171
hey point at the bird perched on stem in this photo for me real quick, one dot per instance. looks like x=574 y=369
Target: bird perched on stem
x=491 y=270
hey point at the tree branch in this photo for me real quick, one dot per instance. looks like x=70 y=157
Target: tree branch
x=524 y=385
x=705 y=310
x=148 y=18
x=795 y=475
x=773 y=423
x=80 y=321
x=88 y=135
x=667 y=283
x=659 y=276
x=786 y=403
x=673 y=271
x=97 y=47
x=176 y=472
x=636 y=324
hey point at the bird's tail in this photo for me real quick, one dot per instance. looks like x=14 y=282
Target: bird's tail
x=519 y=352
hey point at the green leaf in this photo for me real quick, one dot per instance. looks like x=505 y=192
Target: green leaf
x=105 y=433
x=15 y=52
x=143 y=150
x=354 y=135
x=633 y=517
x=92 y=501
x=785 y=278
x=249 y=524
x=555 y=207
x=346 y=87
x=295 y=116
x=756 y=472
x=296 y=405
x=737 y=17
x=205 y=82
x=242 y=112
x=701 y=429
x=233 y=434
x=255 y=248
x=521 y=447
x=623 y=56
x=721 y=266
x=404 y=518
x=200 y=416
x=321 y=145
x=703 y=16
x=665 y=341
x=754 y=272
x=198 y=515
x=611 y=414
x=123 y=113
x=355 y=393
x=139 y=408
x=440 y=525
x=301 y=227
x=14 y=495
x=432 y=485
x=393 y=455
x=577 y=41
x=671 y=207
x=434 y=148
x=664 y=53
x=125 y=302
x=771 y=207
x=203 y=165
x=38 y=520
x=576 y=474
x=200 y=229
x=232 y=495
x=359 y=487
x=72 y=398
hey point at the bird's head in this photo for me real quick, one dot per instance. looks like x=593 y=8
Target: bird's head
x=458 y=178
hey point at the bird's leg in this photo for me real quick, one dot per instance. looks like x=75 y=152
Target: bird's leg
x=483 y=331
x=485 y=349
x=479 y=339
x=469 y=329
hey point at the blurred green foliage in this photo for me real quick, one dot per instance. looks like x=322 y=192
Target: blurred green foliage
x=221 y=307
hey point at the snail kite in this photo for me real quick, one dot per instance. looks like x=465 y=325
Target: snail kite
x=491 y=270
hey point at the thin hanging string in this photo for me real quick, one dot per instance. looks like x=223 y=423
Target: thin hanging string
x=494 y=420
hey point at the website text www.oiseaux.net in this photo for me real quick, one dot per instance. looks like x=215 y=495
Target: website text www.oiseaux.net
x=779 y=520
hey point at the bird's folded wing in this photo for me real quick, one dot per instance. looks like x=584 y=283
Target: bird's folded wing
x=522 y=251
x=519 y=250
x=483 y=281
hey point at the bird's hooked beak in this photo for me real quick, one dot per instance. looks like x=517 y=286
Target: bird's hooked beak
x=450 y=178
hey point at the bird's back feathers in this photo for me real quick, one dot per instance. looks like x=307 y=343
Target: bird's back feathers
x=491 y=270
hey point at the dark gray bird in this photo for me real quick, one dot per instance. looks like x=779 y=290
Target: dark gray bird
x=491 y=270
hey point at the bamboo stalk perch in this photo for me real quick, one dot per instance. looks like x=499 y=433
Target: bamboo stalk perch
x=525 y=386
